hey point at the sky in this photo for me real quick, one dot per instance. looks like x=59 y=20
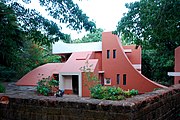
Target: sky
x=105 y=13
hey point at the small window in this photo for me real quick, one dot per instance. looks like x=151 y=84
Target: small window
x=118 y=79
x=108 y=54
x=114 y=53
x=56 y=76
x=124 y=79
x=107 y=81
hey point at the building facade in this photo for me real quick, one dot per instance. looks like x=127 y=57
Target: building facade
x=176 y=72
x=112 y=63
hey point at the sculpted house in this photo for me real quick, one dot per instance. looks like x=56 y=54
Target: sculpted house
x=176 y=72
x=114 y=65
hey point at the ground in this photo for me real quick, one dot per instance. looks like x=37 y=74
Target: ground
x=30 y=92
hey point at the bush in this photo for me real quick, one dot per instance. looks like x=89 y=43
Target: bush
x=104 y=92
x=133 y=92
x=45 y=86
x=111 y=93
x=2 y=88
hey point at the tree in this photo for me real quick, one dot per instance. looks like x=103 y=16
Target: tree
x=91 y=37
x=32 y=56
x=10 y=41
x=155 y=25
x=10 y=37
x=43 y=31
x=22 y=28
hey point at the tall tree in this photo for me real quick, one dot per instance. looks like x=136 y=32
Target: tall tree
x=11 y=41
x=45 y=31
x=10 y=37
x=155 y=25
x=20 y=26
x=91 y=37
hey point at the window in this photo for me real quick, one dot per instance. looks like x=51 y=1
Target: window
x=118 y=79
x=107 y=81
x=56 y=76
x=124 y=79
x=108 y=54
x=114 y=53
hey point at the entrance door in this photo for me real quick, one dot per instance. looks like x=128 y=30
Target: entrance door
x=75 y=84
x=101 y=77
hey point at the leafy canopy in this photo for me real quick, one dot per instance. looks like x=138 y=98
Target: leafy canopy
x=91 y=37
x=155 y=25
x=22 y=28
x=44 y=31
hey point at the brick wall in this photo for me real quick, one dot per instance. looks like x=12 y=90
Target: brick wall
x=162 y=104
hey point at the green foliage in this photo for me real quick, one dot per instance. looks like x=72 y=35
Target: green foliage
x=26 y=36
x=32 y=56
x=2 y=88
x=53 y=83
x=155 y=66
x=10 y=37
x=94 y=36
x=44 y=31
x=104 y=92
x=133 y=92
x=92 y=79
x=154 y=25
x=7 y=74
x=46 y=85
x=111 y=93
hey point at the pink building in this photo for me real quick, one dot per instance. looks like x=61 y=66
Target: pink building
x=176 y=74
x=114 y=64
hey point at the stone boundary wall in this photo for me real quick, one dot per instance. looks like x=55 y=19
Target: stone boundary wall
x=161 y=104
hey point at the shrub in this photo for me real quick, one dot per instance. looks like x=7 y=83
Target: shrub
x=45 y=86
x=133 y=92
x=111 y=93
x=2 y=88
x=104 y=92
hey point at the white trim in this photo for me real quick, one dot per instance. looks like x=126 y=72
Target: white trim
x=173 y=73
x=127 y=50
x=100 y=71
x=61 y=47
x=61 y=82
x=80 y=84
x=137 y=66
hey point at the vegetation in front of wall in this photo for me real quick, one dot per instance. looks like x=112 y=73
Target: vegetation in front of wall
x=2 y=88
x=46 y=85
x=92 y=79
x=111 y=93
x=104 y=92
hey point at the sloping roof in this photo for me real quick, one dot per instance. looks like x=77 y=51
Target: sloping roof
x=44 y=71
x=74 y=63
x=78 y=60
x=61 y=47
